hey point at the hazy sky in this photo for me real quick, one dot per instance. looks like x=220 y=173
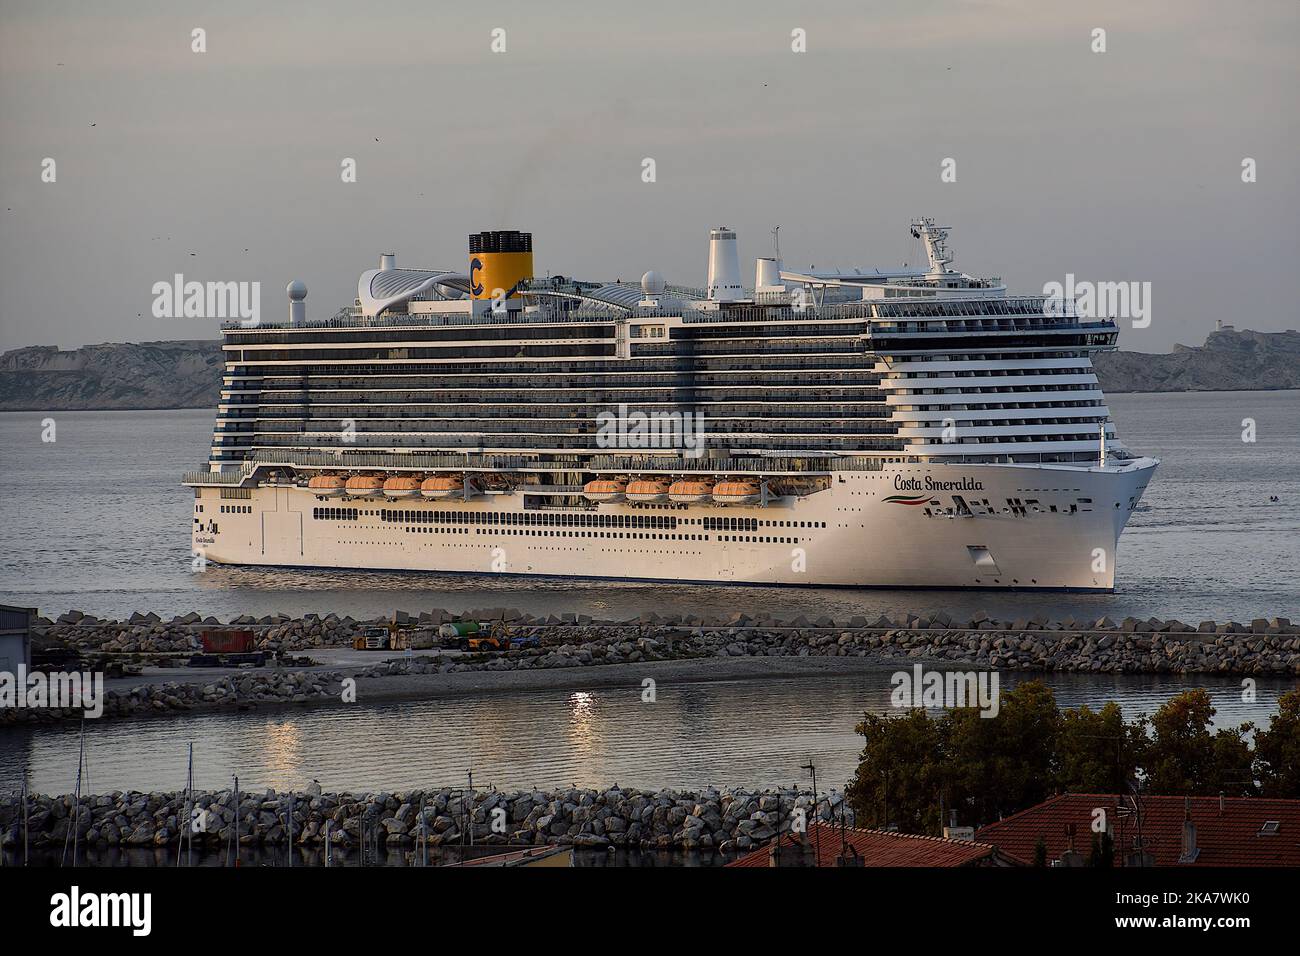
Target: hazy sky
x=1123 y=165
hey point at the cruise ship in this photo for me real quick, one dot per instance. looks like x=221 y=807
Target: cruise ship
x=912 y=427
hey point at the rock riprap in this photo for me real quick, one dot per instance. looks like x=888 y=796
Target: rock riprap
x=248 y=689
x=1262 y=646
x=611 y=817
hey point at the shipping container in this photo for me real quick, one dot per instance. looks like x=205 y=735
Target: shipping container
x=227 y=642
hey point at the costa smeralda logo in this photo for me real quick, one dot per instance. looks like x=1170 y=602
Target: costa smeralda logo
x=929 y=484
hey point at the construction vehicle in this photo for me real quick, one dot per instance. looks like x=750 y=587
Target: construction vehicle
x=477 y=636
x=381 y=637
x=491 y=636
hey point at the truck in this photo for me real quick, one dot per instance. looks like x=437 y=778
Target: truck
x=382 y=637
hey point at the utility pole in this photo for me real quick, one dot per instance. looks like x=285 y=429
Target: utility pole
x=424 y=834
x=236 y=821
x=469 y=809
x=26 y=828
x=812 y=769
x=884 y=800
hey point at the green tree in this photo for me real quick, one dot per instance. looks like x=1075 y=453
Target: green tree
x=898 y=779
x=1277 y=750
x=999 y=765
x=1185 y=758
x=1098 y=751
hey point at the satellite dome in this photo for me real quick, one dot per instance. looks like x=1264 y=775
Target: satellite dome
x=297 y=290
x=652 y=283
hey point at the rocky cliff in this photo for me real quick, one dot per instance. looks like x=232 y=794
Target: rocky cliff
x=183 y=374
x=187 y=374
x=1229 y=360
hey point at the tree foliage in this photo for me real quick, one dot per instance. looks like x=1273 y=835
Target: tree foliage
x=915 y=768
x=1277 y=750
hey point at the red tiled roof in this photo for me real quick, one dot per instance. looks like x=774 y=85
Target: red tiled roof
x=1230 y=836
x=876 y=847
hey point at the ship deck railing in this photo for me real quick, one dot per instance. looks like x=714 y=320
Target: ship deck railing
x=811 y=464
x=854 y=309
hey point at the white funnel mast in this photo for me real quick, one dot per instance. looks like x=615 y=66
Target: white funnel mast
x=724 y=266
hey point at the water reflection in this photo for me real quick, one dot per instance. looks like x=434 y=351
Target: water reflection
x=732 y=733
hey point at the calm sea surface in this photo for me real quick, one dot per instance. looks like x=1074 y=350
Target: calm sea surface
x=752 y=733
x=99 y=522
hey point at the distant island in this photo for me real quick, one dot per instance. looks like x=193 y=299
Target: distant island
x=187 y=374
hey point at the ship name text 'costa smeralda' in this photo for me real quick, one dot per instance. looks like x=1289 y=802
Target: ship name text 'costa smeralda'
x=912 y=427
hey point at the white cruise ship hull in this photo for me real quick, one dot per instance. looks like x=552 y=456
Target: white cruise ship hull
x=906 y=526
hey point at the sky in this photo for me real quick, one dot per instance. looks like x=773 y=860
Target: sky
x=226 y=165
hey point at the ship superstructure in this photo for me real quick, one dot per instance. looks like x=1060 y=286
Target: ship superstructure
x=916 y=427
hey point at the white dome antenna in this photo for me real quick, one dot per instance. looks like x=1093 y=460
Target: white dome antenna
x=652 y=286
x=297 y=292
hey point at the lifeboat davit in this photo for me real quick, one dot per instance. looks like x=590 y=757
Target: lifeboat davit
x=737 y=493
x=691 y=490
x=647 y=489
x=327 y=486
x=604 y=489
x=401 y=486
x=363 y=486
x=442 y=486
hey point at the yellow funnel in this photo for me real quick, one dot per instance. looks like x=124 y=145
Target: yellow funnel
x=499 y=262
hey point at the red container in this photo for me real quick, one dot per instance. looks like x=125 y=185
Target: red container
x=227 y=642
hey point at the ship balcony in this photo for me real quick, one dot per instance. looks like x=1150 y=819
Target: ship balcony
x=969 y=388
x=913 y=435
x=918 y=418
x=936 y=404
x=1032 y=445
x=913 y=367
x=755 y=442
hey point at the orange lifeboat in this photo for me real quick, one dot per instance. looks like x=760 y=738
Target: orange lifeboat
x=604 y=489
x=401 y=486
x=737 y=493
x=691 y=490
x=327 y=486
x=442 y=486
x=363 y=486
x=647 y=489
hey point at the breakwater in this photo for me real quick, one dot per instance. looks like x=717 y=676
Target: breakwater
x=706 y=819
x=1263 y=646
